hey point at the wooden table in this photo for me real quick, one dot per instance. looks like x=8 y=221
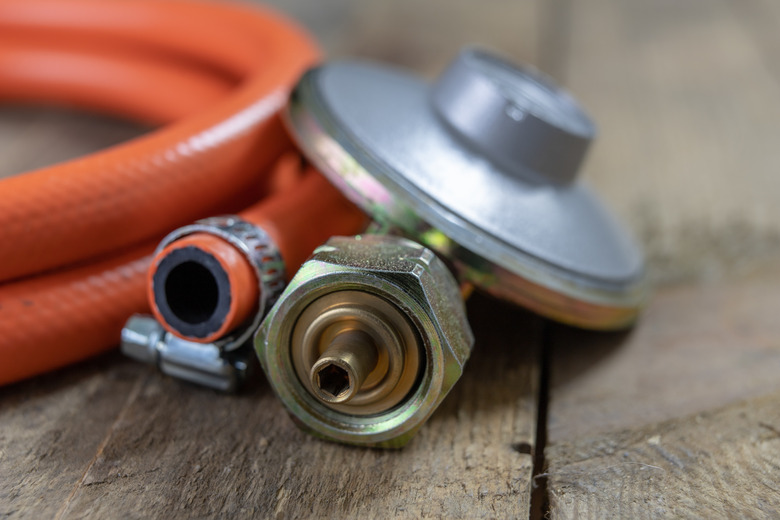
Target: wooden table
x=679 y=417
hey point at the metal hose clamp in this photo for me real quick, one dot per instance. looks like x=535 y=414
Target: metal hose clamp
x=205 y=364
x=261 y=251
x=224 y=363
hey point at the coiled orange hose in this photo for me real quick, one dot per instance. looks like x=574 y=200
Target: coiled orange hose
x=75 y=237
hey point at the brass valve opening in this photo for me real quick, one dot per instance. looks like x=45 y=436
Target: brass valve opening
x=339 y=373
x=335 y=383
x=355 y=352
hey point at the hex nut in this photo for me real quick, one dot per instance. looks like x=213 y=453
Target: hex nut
x=408 y=276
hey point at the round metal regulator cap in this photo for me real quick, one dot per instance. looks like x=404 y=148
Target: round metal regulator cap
x=481 y=167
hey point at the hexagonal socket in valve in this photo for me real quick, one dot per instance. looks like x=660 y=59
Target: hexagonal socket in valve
x=366 y=341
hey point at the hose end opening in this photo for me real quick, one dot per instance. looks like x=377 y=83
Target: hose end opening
x=202 y=288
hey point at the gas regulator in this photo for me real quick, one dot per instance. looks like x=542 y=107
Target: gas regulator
x=472 y=182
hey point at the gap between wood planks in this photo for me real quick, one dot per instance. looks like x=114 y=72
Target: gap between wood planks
x=540 y=501
x=552 y=56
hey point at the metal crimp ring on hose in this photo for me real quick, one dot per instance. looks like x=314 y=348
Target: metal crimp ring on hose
x=261 y=251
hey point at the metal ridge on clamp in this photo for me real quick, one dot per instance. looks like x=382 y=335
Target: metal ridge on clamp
x=220 y=363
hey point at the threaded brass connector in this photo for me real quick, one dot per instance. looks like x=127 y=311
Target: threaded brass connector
x=366 y=341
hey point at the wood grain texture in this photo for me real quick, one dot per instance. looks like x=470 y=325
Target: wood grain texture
x=678 y=418
x=717 y=464
x=51 y=430
x=176 y=451
x=688 y=106
x=696 y=348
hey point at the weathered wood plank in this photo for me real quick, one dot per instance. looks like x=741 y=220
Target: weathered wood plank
x=677 y=418
x=688 y=109
x=637 y=425
x=696 y=348
x=53 y=427
x=722 y=464
x=179 y=451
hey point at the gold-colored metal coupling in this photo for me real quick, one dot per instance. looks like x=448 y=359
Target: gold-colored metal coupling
x=366 y=340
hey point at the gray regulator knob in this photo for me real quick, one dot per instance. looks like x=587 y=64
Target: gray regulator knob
x=481 y=166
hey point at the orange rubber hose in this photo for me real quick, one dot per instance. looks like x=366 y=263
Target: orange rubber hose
x=321 y=211
x=215 y=73
x=167 y=178
x=107 y=83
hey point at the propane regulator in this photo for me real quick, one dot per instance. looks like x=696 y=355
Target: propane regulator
x=470 y=182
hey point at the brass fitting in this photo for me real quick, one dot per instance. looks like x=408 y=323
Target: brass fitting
x=366 y=341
